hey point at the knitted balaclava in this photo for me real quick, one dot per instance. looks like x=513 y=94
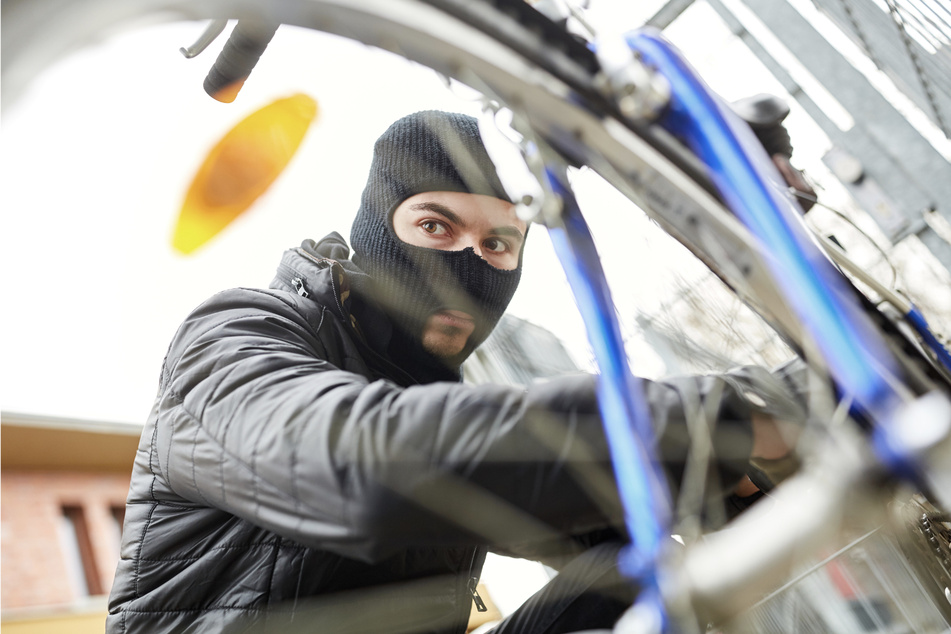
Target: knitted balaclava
x=426 y=152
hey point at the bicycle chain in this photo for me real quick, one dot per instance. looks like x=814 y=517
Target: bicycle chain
x=934 y=527
x=928 y=544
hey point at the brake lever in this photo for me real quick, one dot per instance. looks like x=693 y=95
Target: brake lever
x=211 y=32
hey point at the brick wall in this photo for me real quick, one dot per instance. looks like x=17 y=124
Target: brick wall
x=31 y=508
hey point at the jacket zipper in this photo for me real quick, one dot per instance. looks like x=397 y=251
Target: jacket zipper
x=473 y=589
x=298 y=284
x=333 y=282
x=473 y=585
x=320 y=261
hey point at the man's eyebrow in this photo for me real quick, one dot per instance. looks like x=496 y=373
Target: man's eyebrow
x=442 y=210
x=510 y=231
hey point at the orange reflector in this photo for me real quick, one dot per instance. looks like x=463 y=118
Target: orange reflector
x=240 y=168
x=230 y=92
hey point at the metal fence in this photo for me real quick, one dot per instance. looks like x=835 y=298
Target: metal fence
x=910 y=41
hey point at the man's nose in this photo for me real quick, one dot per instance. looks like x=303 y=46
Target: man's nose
x=472 y=241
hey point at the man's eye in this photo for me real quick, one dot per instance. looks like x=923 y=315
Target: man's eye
x=495 y=245
x=433 y=227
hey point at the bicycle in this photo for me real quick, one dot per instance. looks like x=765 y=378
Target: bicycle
x=574 y=106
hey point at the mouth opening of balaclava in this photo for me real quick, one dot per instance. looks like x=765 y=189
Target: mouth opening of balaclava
x=427 y=152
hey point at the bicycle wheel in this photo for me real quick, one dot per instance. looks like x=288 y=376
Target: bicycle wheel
x=523 y=60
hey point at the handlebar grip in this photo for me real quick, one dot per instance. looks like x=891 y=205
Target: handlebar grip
x=239 y=55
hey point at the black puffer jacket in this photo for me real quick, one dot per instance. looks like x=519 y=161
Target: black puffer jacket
x=291 y=478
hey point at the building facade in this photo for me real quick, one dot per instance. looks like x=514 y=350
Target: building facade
x=62 y=499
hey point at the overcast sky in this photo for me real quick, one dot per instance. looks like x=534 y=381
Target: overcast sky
x=96 y=157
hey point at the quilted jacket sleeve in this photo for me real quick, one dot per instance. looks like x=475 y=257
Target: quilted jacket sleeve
x=254 y=419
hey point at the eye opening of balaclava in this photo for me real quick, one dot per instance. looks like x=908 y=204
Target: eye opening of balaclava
x=427 y=152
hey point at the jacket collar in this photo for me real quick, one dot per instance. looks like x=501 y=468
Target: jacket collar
x=323 y=272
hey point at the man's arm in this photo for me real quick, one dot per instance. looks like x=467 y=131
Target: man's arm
x=254 y=420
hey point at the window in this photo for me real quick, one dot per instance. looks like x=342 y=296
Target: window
x=77 y=548
x=118 y=514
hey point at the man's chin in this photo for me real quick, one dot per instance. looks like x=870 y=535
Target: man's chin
x=446 y=348
x=446 y=335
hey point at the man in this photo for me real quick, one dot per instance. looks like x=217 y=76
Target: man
x=312 y=463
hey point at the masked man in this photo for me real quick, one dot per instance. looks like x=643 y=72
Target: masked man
x=313 y=463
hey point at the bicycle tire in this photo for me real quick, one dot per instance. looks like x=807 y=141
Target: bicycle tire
x=643 y=163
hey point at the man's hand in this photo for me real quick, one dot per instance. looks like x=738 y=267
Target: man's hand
x=804 y=193
x=773 y=457
x=773 y=439
x=765 y=115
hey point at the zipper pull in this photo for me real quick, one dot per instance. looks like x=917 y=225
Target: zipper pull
x=299 y=287
x=479 y=603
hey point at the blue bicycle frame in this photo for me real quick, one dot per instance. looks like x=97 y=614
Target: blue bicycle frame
x=858 y=360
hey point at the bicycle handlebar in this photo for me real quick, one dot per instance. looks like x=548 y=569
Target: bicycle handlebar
x=238 y=57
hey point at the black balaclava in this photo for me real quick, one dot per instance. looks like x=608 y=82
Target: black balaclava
x=427 y=152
